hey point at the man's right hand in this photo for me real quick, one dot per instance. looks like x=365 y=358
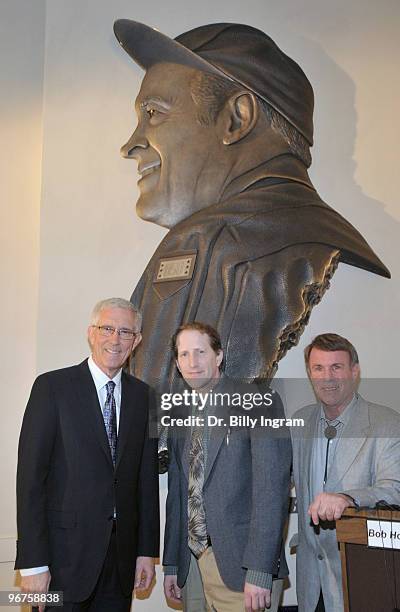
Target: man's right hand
x=171 y=589
x=256 y=598
x=37 y=583
x=329 y=507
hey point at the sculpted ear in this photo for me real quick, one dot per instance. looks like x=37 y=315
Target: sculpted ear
x=240 y=114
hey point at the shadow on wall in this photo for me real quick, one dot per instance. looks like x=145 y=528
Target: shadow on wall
x=334 y=167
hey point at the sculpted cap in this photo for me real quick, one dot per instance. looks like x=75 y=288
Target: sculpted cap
x=235 y=51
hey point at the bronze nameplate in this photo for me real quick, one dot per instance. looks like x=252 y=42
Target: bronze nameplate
x=178 y=267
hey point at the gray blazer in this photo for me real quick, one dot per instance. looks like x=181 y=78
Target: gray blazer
x=367 y=467
x=246 y=492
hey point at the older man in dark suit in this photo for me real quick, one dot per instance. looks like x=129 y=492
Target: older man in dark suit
x=87 y=485
x=228 y=487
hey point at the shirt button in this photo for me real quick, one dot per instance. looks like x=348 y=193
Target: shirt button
x=320 y=557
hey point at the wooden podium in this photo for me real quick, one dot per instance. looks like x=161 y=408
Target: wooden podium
x=371 y=576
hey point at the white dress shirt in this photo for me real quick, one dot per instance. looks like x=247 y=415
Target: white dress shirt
x=100 y=380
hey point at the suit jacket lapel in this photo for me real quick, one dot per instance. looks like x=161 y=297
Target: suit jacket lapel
x=217 y=436
x=127 y=416
x=309 y=433
x=351 y=441
x=183 y=443
x=89 y=407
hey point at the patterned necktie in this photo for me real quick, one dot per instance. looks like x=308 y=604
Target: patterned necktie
x=110 y=419
x=197 y=528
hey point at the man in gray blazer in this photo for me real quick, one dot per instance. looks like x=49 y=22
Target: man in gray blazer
x=228 y=488
x=347 y=455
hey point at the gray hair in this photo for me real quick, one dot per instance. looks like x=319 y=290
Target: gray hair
x=116 y=303
x=210 y=92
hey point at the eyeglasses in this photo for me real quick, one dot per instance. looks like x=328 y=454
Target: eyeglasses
x=109 y=330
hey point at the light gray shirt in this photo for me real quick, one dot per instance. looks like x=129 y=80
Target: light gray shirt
x=321 y=455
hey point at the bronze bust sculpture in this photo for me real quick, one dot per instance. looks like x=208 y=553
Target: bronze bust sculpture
x=222 y=145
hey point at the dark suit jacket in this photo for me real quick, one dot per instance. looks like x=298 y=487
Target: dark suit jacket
x=67 y=487
x=246 y=497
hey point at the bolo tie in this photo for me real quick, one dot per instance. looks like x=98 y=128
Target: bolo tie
x=330 y=432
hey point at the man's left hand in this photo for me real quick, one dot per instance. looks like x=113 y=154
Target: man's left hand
x=144 y=573
x=36 y=583
x=256 y=598
x=328 y=507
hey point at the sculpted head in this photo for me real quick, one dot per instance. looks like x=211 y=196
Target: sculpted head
x=214 y=103
x=179 y=156
x=333 y=368
x=198 y=354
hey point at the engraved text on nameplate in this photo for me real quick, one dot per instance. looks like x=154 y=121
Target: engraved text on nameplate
x=175 y=268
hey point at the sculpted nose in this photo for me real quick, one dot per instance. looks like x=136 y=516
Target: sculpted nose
x=136 y=141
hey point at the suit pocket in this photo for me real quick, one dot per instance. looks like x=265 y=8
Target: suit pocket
x=59 y=518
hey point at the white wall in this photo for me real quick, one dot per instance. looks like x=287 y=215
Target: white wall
x=91 y=242
x=22 y=35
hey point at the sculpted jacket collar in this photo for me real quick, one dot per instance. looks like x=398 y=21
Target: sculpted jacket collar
x=270 y=225
x=255 y=202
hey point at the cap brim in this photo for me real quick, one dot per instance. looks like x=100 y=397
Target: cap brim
x=148 y=46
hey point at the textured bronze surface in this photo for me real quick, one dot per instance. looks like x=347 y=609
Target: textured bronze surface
x=254 y=246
